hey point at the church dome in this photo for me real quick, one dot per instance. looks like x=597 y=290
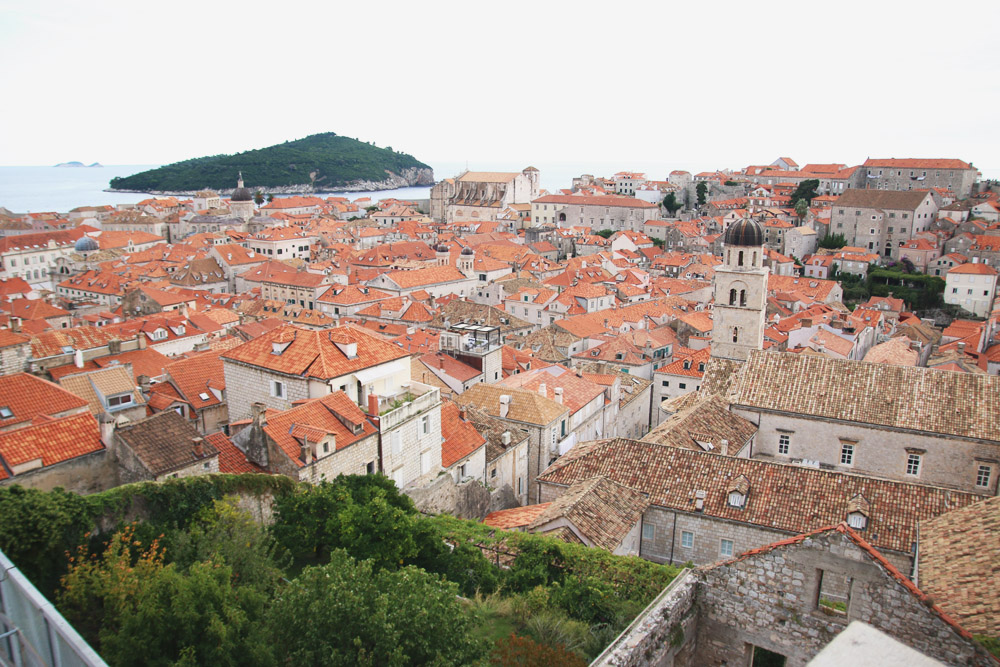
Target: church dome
x=86 y=244
x=468 y=251
x=745 y=232
x=241 y=193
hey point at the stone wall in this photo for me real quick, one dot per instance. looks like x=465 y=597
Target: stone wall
x=84 y=475
x=14 y=359
x=466 y=500
x=246 y=385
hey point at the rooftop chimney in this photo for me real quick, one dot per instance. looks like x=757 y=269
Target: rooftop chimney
x=15 y=324
x=541 y=390
x=199 y=447
x=258 y=413
x=504 y=406
x=78 y=358
x=373 y=405
x=505 y=437
x=961 y=347
x=559 y=395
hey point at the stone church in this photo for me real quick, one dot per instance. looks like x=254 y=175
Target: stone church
x=482 y=195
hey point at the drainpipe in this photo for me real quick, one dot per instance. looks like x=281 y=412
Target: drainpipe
x=673 y=536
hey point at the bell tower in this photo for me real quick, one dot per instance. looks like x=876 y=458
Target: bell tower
x=740 y=293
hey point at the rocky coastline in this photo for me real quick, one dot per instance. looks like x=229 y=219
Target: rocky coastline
x=413 y=177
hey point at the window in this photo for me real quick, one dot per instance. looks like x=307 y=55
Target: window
x=913 y=464
x=846 y=453
x=857 y=520
x=834 y=593
x=687 y=539
x=665 y=383
x=397 y=443
x=277 y=389
x=648 y=531
x=493 y=473
x=726 y=548
x=783 y=441
x=683 y=385
x=736 y=499
x=983 y=475
x=370 y=468
x=425 y=425
x=116 y=401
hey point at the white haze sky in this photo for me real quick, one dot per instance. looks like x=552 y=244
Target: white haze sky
x=698 y=84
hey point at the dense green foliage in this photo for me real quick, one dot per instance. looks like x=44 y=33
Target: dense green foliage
x=833 y=241
x=323 y=160
x=801 y=209
x=992 y=644
x=806 y=190
x=605 y=233
x=197 y=581
x=702 y=191
x=670 y=204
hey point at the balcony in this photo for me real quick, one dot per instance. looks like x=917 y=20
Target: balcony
x=474 y=339
x=412 y=399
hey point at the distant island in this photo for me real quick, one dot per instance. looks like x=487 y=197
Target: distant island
x=79 y=164
x=318 y=163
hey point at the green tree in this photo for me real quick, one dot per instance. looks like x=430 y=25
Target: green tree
x=348 y=613
x=606 y=233
x=833 y=241
x=136 y=610
x=258 y=198
x=364 y=514
x=801 y=209
x=37 y=528
x=670 y=204
x=702 y=190
x=270 y=197
x=806 y=190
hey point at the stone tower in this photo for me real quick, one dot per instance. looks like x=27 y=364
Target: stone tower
x=241 y=203
x=740 y=293
x=466 y=261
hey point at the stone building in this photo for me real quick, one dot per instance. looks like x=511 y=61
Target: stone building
x=15 y=351
x=920 y=174
x=506 y=452
x=740 y=293
x=160 y=447
x=904 y=423
x=241 y=204
x=539 y=415
x=971 y=286
x=706 y=505
x=482 y=195
x=313 y=442
x=880 y=220
x=597 y=212
x=783 y=603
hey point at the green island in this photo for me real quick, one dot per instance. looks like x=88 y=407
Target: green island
x=317 y=163
x=261 y=570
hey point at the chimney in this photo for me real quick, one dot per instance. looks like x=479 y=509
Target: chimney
x=78 y=358
x=107 y=425
x=143 y=383
x=505 y=437
x=504 y=406
x=114 y=346
x=961 y=347
x=199 y=447
x=699 y=501
x=724 y=449
x=373 y=405
x=258 y=413
x=140 y=339
x=541 y=390
x=559 y=395
x=305 y=453
x=15 y=324
x=461 y=414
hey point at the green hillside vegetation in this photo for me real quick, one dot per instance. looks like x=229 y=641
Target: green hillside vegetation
x=322 y=160
x=349 y=574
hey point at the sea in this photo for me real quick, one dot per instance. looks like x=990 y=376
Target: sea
x=59 y=189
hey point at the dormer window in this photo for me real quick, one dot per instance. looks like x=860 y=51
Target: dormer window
x=159 y=334
x=278 y=348
x=687 y=365
x=738 y=490
x=701 y=367
x=6 y=412
x=857 y=520
x=737 y=499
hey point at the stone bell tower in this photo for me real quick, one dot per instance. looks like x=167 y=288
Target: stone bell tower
x=740 y=293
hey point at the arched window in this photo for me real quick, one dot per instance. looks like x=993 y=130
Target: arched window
x=739 y=260
x=736 y=334
x=562 y=217
x=755 y=258
x=743 y=297
x=732 y=297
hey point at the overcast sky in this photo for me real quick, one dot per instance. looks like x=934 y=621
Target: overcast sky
x=694 y=84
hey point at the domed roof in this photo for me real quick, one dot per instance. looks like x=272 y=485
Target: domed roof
x=745 y=232
x=241 y=193
x=468 y=251
x=86 y=244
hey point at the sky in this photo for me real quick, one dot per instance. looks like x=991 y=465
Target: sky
x=692 y=85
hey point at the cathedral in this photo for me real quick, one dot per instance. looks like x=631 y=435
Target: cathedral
x=740 y=293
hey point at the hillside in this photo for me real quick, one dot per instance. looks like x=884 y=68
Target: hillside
x=317 y=163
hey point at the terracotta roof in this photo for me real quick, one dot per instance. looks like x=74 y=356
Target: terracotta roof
x=789 y=498
x=460 y=437
x=493 y=429
x=164 y=442
x=603 y=511
x=587 y=200
x=577 y=392
x=196 y=377
x=315 y=353
x=917 y=163
x=28 y=397
x=9 y=339
x=915 y=399
x=959 y=552
x=895 y=351
x=702 y=423
x=974 y=268
x=525 y=406
x=906 y=200
x=327 y=415
x=515 y=517
x=51 y=441
x=112 y=381
x=432 y=275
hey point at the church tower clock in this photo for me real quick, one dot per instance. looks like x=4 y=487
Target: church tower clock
x=738 y=320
